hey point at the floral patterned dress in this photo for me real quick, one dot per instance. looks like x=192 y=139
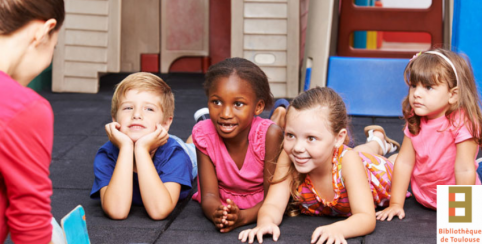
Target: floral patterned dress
x=379 y=174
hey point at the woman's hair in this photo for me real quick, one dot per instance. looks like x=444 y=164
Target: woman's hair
x=336 y=121
x=14 y=14
x=432 y=69
x=245 y=70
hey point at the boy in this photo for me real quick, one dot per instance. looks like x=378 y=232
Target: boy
x=141 y=164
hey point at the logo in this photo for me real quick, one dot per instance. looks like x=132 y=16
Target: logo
x=460 y=204
x=459 y=217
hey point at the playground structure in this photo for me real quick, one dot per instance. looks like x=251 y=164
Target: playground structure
x=319 y=38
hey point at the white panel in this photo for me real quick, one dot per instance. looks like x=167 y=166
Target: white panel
x=258 y=42
x=459 y=211
x=278 y=89
x=275 y=73
x=265 y=26
x=87 y=7
x=82 y=69
x=86 y=38
x=85 y=85
x=86 y=54
x=460 y=197
x=86 y=22
x=280 y=57
x=265 y=10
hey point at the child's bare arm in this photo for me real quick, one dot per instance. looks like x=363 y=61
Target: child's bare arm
x=271 y=212
x=208 y=184
x=116 y=198
x=465 y=171
x=159 y=198
x=402 y=172
x=363 y=220
x=274 y=138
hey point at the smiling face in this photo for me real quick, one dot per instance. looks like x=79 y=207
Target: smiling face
x=431 y=101
x=139 y=113
x=232 y=105
x=309 y=140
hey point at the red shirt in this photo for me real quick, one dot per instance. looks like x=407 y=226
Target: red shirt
x=26 y=137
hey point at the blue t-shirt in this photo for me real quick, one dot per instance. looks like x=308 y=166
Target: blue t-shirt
x=170 y=160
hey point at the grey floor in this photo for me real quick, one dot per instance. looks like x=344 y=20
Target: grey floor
x=79 y=132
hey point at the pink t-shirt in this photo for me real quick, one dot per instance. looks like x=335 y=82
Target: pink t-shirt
x=245 y=186
x=26 y=138
x=435 y=151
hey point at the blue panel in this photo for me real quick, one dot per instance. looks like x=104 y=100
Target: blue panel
x=369 y=86
x=307 y=79
x=467 y=34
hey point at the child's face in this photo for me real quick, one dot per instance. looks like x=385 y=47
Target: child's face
x=139 y=113
x=430 y=101
x=232 y=105
x=309 y=141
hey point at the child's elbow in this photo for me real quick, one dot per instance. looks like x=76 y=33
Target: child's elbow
x=158 y=215
x=371 y=223
x=116 y=215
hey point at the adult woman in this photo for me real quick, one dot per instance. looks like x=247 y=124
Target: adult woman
x=28 y=34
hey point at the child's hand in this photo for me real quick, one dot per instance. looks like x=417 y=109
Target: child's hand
x=327 y=233
x=259 y=231
x=154 y=139
x=117 y=138
x=230 y=216
x=219 y=217
x=390 y=212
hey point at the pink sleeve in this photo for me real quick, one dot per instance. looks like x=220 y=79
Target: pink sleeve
x=407 y=132
x=259 y=144
x=199 y=136
x=25 y=154
x=462 y=134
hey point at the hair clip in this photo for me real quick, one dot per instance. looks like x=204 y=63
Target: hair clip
x=415 y=56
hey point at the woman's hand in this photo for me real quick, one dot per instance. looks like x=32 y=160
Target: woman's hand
x=258 y=232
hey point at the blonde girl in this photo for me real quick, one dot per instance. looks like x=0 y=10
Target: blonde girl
x=322 y=174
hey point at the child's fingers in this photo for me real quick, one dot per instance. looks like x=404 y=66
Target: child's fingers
x=243 y=235
x=276 y=233
x=316 y=234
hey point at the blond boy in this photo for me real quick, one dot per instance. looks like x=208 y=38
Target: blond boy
x=141 y=164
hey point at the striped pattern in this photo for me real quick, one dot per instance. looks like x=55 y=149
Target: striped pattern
x=379 y=174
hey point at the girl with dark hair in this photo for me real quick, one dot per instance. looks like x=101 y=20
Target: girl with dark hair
x=442 y=133
x=28 y=34
x=236 y=149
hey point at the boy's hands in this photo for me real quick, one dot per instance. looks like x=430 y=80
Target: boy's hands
x=153 y=140
x=117 y=138
x=328 y=233
x=390 y=212
x=258 y=232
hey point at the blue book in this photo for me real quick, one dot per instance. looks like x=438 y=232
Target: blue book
x=75 y=226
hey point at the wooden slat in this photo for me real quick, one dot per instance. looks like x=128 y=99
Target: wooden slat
x=86 y=22
x=265 y=10
x=80 y=69
x=265 y=26
x=87 y=7
x=260 y=42
x=86 y=54
x=86 y=38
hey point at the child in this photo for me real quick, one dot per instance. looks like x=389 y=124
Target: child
x=139 y=164
x=236 y=149
x=322 y=175
x=442 y=133
x=28 y=35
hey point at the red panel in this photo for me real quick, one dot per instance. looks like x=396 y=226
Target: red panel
x=452 y=197
x=219 y=40
x=451 y=211
x=150 y=62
